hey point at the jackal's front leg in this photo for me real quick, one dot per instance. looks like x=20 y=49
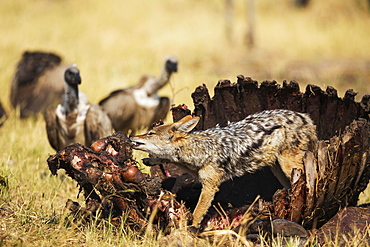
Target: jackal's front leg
x=211 y=179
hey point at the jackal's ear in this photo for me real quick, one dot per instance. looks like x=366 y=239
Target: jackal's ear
x=186 y=124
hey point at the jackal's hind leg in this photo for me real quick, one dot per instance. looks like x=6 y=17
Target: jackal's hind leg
x=288 y=160
x=280 y=175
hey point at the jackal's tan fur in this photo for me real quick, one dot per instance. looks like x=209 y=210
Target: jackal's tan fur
x=275 y=138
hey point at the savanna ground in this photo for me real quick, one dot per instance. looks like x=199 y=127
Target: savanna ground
x=114 y=42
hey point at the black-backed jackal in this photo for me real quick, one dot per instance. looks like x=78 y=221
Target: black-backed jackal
x=274 y=138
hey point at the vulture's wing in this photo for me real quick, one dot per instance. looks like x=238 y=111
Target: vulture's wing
x=97 y=124
x=121 y=109
x=52 y=128
x=111 y=95
x=31 y=81
x=161 y=110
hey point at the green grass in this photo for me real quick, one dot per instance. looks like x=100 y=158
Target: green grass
x=114 y=42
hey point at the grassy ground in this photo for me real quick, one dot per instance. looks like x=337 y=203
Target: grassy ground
x=114 y=42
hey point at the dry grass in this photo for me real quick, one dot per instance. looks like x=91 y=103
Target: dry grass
x=114 y=42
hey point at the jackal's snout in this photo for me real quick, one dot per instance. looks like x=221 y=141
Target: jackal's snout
x=135 y=142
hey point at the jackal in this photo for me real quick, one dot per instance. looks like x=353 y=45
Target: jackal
x=274 y=138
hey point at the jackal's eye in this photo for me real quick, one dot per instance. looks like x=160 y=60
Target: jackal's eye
x=151 y=133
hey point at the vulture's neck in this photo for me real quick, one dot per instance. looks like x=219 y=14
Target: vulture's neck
x=152 y=86
x=70 y=101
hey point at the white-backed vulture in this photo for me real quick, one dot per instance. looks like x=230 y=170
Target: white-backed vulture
x=38 y=83
x=3 y=115
x=139 y=106
x=75 y=119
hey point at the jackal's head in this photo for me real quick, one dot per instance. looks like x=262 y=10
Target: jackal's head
x=162 y=139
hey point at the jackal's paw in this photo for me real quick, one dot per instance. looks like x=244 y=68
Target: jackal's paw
x=194 y=230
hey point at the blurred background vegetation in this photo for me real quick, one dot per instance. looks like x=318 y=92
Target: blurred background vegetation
x=114 y=42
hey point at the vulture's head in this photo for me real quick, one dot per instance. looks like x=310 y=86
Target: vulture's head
x=171 y=64
x=72 y=76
